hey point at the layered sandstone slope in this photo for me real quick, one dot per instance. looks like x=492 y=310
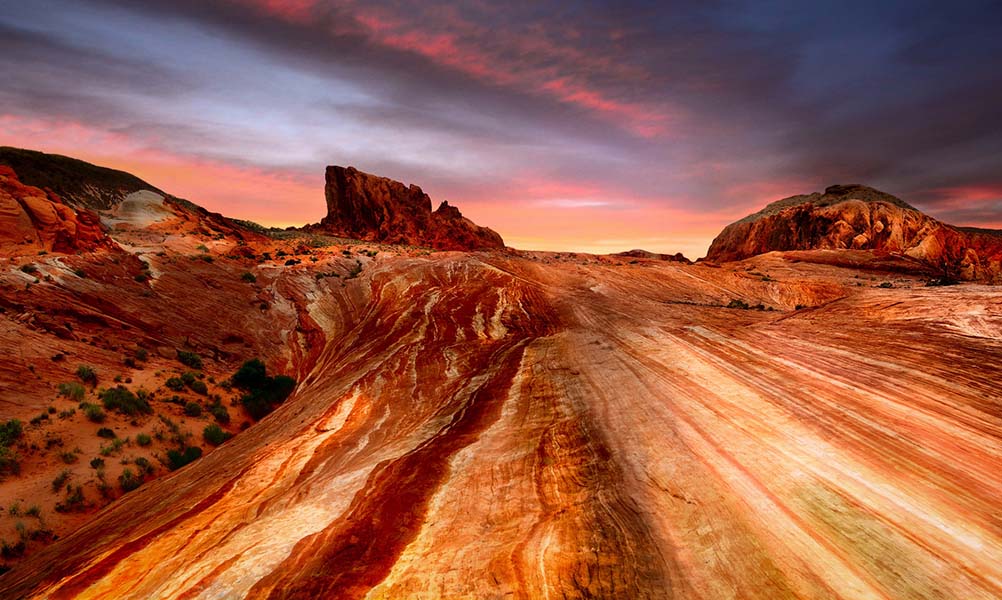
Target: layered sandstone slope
x=33 y=221
x=489 y=425
x=860 y=218
x=371 y=208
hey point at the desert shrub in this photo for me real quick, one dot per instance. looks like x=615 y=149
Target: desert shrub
x=74 y=501
x=142 y=355
x=124 y=401
x=190 y=359
x=143 y=439
x=9 y=462
x=37 y=420
x=355 y=271
x=248 y=277
x=60 y=480
x=87 y=374
x=219 y=412
x=9 y=551
x=144 y=465
x=214 y=434
x=179 y=458
x=175 y=383
x=29 y=269
x=14 y=510
x=128 y=481
x=69 y=457
x=72 y=391
x=106 y=433
x=34 y=511
x=115 y=446
x=886 y=284
x=193 y=409
x=93 y=412
x=738 y=304
x=10 y=432
x=97 y=463
x=261 y=392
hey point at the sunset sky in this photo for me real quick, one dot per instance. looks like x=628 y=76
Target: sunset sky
x=595 y=126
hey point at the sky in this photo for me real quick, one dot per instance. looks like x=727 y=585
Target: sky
x=589 y=126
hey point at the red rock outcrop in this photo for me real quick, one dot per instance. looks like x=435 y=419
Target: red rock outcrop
x=857 y=217
x=32 y=220
x=377 y=209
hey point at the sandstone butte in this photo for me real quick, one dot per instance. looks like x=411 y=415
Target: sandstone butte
x=502 y=423
x=377 y=209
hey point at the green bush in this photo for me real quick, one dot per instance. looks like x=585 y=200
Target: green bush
x=9 y=462
x=179 y=458
x=124 y=401
x=143 y=439
x=193 y=409
x=93 y=412
x=142 y=355
x=97 y=463
x=60 y=480
x=106 y=433
x=128 y=481
x=219 y=412
x=190 y=358
x=261 y=392
x=10 y=432
x=194 y=383
x=175 y=383
x=144 y=465
x=69 y=457
x=115 y=446
x=74 y=501
x=214 y=434
x=72 y=390
x=87 y=374
x=248 y=277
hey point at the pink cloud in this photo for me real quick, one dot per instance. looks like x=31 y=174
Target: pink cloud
x=270 y=197
x=541 y=59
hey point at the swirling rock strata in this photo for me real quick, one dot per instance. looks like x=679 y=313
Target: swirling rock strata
x=482 y=425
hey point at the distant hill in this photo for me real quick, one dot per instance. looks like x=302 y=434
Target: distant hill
x=858 y=217
x=78 y=183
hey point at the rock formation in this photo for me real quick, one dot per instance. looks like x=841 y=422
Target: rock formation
x=32 y=221
x=639 y=253
x=377 y=209
x=857 y=217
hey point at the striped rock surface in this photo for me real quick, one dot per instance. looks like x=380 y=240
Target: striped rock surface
x=489 y=426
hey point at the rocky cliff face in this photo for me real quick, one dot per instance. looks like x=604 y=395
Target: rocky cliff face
x=377 y=209
x=32 y=220
x=862 y=218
